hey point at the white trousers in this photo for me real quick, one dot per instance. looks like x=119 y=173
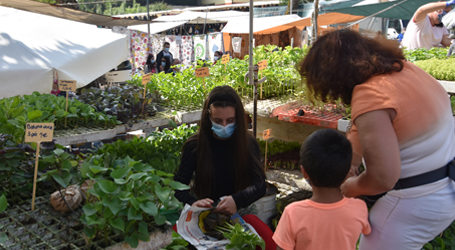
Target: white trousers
x=399 y=223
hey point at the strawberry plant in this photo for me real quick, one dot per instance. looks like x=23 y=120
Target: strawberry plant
x=126 y=197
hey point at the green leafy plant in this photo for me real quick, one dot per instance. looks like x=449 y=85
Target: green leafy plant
x=124 y=102
x=3 y=206
x=441 y=69
x=60 y=167
x=186 y=91
x=160 y=149
x=445 y=241
x=178 y=243
x=17 y=111
x=127 y=196
x=425 y=54
x=240 y=239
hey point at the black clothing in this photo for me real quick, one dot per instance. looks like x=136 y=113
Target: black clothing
x=159 y=58
x=223 y=182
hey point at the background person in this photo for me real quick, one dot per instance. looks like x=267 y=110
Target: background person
x=177 y=65
x=325 y=159
x=407 y=155
x=216 y=56
x=426 y=30
x=225 y=161
x=164 y=53
x=165 y=65
x=150 y=65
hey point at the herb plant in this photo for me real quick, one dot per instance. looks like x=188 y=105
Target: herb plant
x=3 y=205
x=126 y=197
x=178 y=243
x=441 y=69
x=425 y=54
x=240 y=238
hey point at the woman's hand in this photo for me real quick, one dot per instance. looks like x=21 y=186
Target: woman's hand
x=207 y=203
x=226 y=206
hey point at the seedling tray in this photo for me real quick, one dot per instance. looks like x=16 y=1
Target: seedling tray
x=324 y=119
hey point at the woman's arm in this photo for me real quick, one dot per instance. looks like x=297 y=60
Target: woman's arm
x=185 y=172
x=258 y=186
x=381 y=153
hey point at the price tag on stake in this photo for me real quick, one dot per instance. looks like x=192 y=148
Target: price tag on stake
x=262 y=64
x=38 y=132
x=146 y=78
x=67 y=85
x=202 y=72
x=225 y=59
x=266 y=134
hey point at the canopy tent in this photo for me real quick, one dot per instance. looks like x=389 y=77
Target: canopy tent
x=32 y=46
x=157 y=27
x=69 y=14
x=268 y=25
x=240 y=25
x=200 y=17
x=399 y=9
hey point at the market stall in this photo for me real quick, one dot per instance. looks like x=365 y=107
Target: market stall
x=75 y=51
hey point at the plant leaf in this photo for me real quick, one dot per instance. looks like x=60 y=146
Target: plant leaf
x=149 y=207
x=118 y=223
x=3 y=203
x=107 y=186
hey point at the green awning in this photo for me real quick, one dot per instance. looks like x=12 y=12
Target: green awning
x=404 y=10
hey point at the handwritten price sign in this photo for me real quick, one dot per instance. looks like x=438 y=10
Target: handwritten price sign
x=266 y=134
x=146 y=78
x=262 y=64
x=202 y=72
x=67 y=85
x=225 y=59
x=39 y=132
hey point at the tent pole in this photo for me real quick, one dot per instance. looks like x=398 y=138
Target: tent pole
x=290 y=13
x=314 y=32
x=251 y=71
x=148 y=18
x=205 y=21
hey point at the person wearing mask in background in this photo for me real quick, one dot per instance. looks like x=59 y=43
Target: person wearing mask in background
x=426 y=30
x=165 y=53
x=216 y=56
x=177 y=65
x=165 y=65
x=150 y=65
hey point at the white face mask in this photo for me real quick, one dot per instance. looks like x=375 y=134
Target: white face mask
x=216 y=58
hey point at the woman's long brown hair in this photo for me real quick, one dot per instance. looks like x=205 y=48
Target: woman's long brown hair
x=342 y=59
x=245 y=163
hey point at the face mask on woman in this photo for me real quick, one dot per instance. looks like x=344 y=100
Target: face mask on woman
x=216 y=58
x=163 y=63
x=152 y=61
x=223 y=131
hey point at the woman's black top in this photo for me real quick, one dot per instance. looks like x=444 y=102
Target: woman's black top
x=223 y=182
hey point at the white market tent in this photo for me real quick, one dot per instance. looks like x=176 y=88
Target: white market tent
x=199 y=17
x=32 y=46
x=164 y=23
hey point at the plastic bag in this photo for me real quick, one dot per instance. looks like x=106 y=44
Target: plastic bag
x=449 y=21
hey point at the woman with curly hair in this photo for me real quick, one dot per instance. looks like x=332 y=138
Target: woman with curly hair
x=402 y=127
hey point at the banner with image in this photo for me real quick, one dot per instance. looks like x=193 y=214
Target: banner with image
x=215 y=44
x=200 y=46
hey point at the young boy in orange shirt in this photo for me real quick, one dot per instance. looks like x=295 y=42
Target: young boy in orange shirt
x=328 y=220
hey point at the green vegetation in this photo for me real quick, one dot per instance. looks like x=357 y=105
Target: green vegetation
x=441 y=69
x=126 y=196
x=425 y=54
x=240 y=239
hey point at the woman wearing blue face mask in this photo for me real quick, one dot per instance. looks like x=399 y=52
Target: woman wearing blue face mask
x=224 y=159
x=150 y=65
x=165 y=65
x=164 y=53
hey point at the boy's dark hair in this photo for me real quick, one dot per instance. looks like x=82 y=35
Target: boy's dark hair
x=326 y=158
